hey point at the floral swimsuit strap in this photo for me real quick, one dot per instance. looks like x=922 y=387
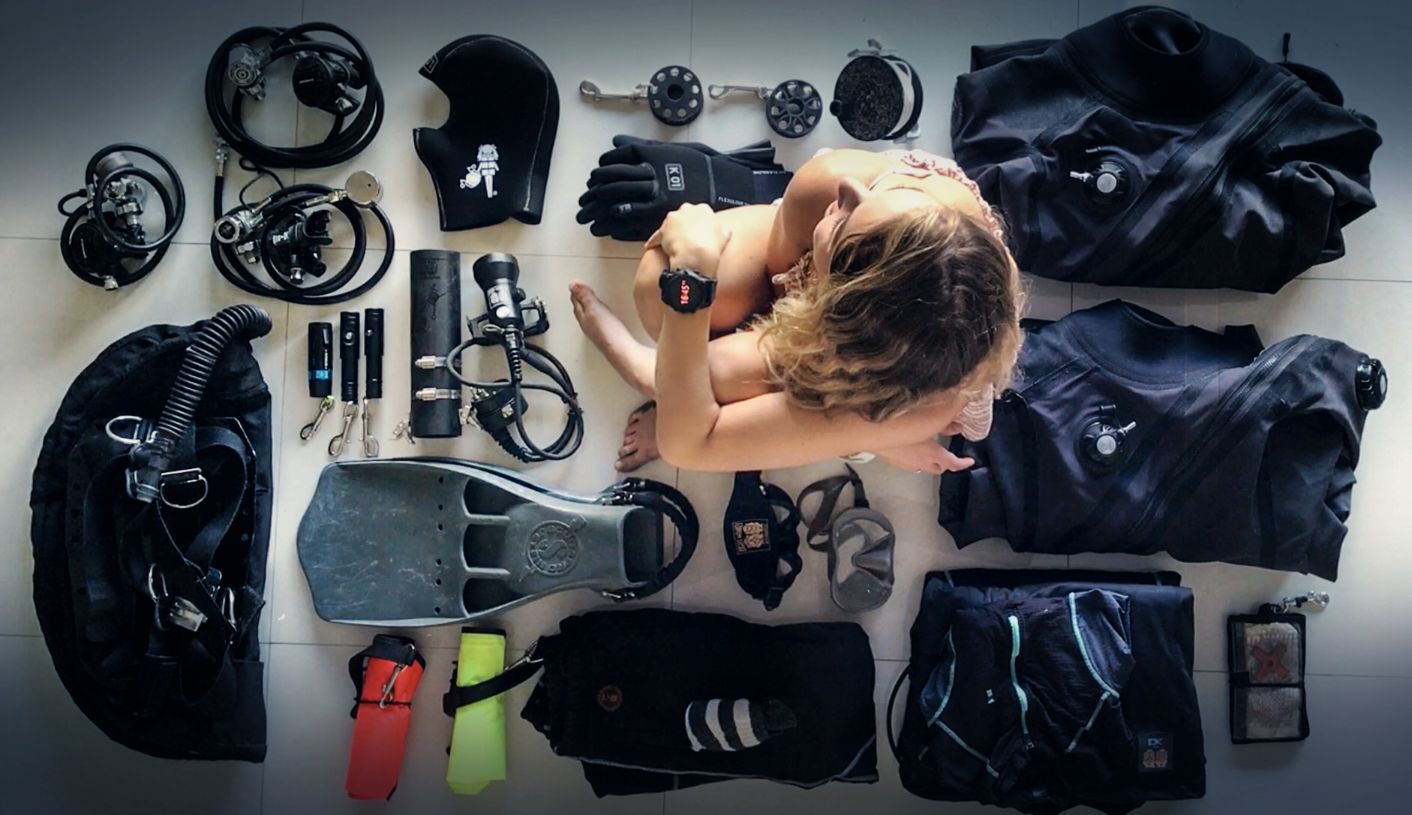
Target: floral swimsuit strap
x=924 y=164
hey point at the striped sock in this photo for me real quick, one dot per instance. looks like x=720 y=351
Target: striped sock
x=729 y=725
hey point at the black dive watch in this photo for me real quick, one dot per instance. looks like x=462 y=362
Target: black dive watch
x=687 y=290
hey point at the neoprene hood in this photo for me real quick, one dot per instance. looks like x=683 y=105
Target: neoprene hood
x=490 y=160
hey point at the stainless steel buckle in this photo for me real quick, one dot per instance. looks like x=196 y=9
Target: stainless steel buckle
x=191 y=475
x=184 y=614
x=177 y=611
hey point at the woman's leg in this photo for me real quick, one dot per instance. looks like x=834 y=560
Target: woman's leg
x=742 y=283
x=737 y=369
x=737 y=366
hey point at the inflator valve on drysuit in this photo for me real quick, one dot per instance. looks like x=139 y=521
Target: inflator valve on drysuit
x=1102 y=439
x=1107 y=181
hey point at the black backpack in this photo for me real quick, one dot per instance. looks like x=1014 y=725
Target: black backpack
x=150 y=610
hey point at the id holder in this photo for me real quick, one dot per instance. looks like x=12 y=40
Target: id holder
x=1266 y=653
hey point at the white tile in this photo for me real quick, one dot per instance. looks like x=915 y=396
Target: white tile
x=617 y=44
x=55 y=326
x=1365 y=54
x=1348 y=764
x=1047 y=299
x=86 y=76
x=1170 y=303
x=56 y=760
x=605 y=399
x=148 y=90
x=310 y=732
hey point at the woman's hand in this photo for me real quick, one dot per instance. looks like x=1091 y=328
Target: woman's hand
x=692 y=238
x=926 y=457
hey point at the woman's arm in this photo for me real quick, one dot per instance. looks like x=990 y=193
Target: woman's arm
x=813 y=188
x=767 y=432
x=695 y=431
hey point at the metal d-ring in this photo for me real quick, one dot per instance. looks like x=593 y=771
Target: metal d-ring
x=128 y=440
x=200 y=479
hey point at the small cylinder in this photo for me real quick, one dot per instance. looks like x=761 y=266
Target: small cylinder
x=349 y=340
x=320 y=359
x=372 y=349
x=436 y=329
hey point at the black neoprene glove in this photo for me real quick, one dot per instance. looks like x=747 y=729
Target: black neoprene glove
x=639 y=181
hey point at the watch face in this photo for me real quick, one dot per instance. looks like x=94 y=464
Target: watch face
x=685 y=291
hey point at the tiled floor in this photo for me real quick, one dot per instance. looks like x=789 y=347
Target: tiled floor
x=133 y=72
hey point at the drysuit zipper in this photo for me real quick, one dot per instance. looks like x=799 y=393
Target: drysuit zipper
x=1194 y=464
x=1159 y=185
x=1193 y=217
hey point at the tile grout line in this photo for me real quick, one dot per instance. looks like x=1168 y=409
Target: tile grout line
x=1304 y=277
x=271 y=644
x=270 y=572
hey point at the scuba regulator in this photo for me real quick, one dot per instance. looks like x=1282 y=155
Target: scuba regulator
x=285 y=233
x=496 y=407
x=104 y=241
x=325 y=76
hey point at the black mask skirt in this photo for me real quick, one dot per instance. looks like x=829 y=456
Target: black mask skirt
x=761 y=530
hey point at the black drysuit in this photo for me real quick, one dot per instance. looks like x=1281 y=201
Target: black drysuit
x=1148 y=150
x=1222 y=450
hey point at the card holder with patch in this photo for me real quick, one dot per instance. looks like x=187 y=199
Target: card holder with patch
x=1266 y=654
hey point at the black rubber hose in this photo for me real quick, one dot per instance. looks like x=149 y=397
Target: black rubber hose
x=151 y=458
x=173 y=212
x=524 y=448
x=174 y=203
x=326 y=292
x=345 y=139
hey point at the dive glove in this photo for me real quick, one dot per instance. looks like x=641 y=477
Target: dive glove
x=639 y=181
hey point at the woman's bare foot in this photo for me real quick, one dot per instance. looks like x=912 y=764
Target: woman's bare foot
x=634 y=362
x=639 y=439
x=925 y=457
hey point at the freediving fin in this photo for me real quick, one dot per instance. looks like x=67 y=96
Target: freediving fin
x=415 y=542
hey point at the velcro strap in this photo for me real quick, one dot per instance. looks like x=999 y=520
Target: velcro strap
x=515 y=675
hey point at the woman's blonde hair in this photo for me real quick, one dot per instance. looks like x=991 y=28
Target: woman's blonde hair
x=925 y=302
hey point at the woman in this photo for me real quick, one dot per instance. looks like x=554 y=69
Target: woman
x=882 y=310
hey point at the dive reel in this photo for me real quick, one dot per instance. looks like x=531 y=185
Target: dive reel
x=496 y=407
x=104 y=241
x=325 y=76
x=285 y=233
